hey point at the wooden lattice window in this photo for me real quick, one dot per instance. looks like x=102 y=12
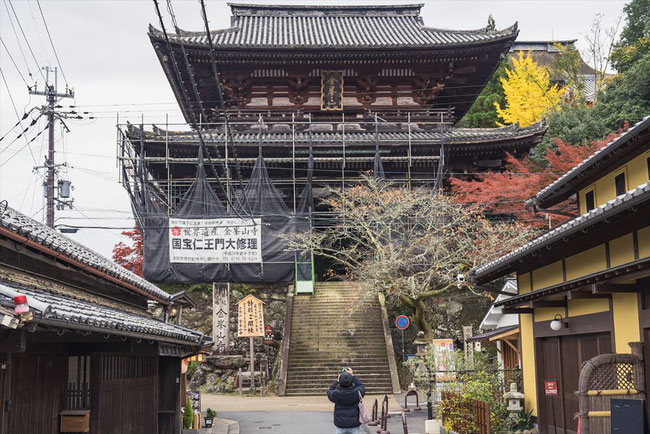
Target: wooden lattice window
x=77 y=395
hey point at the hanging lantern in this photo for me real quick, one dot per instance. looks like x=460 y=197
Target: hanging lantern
x=20 y=304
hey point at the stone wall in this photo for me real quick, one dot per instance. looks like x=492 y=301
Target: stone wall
x=216 y=374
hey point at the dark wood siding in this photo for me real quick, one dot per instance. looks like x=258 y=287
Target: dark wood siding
x=560 y=359
x=169 y=390
x=125 y=399
x=37 y=393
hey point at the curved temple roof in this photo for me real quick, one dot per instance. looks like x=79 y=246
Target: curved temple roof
x=26 y=227
x=334 y=27
x=458 y=136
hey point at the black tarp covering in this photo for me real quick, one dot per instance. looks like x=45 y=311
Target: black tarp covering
x=259 y=199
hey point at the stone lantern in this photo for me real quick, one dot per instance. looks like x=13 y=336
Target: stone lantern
x=514 y=398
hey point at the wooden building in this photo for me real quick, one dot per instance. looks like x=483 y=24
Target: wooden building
x=87 y=355
x=584 y=287
x=365 y=80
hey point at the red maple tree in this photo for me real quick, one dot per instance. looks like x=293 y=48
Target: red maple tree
x=130 y=256
x=505 y=193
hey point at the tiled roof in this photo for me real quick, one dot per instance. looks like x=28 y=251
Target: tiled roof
x=27 y=227
x=257 y=26
x=632 y=198
x=453 y=135
x=82 y=315
x=607 y=150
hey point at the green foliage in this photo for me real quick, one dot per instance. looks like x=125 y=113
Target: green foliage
x=524 y=421
x=210 y=413
x=566 y=68
x=476 y=379
x=191 y=369
x=634 y=42
x=627 y=98
x=188 y=416
x=483 y=113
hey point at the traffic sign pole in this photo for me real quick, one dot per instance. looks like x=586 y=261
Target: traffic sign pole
x=402 y=322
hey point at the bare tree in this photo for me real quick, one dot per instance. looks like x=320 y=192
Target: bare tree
x=409 y=244
x=600 y=45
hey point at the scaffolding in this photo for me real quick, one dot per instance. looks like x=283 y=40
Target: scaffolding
x=344 y=147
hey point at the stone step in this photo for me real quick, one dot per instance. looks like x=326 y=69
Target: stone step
x=329 y=330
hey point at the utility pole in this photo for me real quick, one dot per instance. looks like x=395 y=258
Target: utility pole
x=52 y=97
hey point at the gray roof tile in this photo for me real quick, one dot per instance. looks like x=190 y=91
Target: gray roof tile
x=451 y=136
x=641 y=194
x=257 y=26
x=50 y=238
x=79 y=314
x=593 y=160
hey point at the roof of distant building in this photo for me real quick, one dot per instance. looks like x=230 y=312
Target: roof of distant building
x=333 y=27
x=31 y=231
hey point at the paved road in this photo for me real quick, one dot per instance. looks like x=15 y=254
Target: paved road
x=307 y=422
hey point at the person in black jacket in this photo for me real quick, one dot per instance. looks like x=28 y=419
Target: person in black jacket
x=344 y=393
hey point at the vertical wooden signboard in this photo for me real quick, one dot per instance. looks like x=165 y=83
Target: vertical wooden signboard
x=221 y=317
x=250 y=324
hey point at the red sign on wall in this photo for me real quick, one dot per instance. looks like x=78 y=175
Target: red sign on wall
x=550 y=387
x=269 y=335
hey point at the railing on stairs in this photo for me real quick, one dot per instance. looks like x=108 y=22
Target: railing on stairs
x=286 y=338
x=389 y=344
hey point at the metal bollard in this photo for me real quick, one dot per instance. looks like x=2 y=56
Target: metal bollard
x=383 y=428
x=417 y=401
x=386 y=401
x=404 y=426
x=375 y=416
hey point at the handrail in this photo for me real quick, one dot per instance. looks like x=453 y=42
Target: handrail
x=389 y=344
x=286 y=337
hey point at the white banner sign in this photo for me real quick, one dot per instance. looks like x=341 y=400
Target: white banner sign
x=216 y=241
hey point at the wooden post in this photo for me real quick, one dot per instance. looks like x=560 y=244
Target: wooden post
x=252 y=366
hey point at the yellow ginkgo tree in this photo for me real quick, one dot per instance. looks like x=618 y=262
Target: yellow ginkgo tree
x=529 y=93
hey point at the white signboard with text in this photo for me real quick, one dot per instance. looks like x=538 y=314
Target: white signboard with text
x=216 y=241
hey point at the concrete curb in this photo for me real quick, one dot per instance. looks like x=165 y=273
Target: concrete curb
x=222 y=426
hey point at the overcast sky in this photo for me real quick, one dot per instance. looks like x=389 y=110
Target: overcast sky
x=108 y=59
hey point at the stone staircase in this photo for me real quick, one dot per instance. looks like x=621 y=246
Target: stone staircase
x=326 y=334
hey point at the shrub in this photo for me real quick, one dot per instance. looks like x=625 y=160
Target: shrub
x=210 y=413
x=191 y=369
x=188 y=416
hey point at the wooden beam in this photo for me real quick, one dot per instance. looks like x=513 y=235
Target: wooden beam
x=607 y=288
x=580 y=295
x=511 y=346
x=507 y=310
x=549 y=303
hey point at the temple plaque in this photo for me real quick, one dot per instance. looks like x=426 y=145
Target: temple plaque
x=331 y=90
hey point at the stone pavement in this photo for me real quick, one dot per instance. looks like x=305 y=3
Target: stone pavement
x=294 y=415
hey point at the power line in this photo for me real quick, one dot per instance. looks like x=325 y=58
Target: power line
x=20 y=46
x=56 y=55
x=20 y=26
x=14 y=62
x=19 y=122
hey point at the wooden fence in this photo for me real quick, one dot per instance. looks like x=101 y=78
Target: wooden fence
x=466 y=416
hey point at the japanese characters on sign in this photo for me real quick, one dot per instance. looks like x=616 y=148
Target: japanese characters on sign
x=443 y=351
x=220 y=241
x=331 y=90
x=550 y=387
x=220 y=318
x=250 y=319
x=269 y=335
